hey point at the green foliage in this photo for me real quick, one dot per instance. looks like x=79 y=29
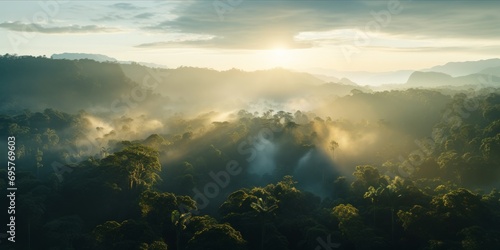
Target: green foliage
x=137 y=165
x=129 y=234
x=140 y=193
x=367 y=176
x=62 y=232
x=352 y=227
x=217 y=237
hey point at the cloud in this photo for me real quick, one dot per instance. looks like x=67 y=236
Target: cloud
x=119 y=17
x=216 y=42
x=125 y=6
x=482 y=49
x=32 y=27
x=266 y=24
x=181 y=40
x=466 y=19
x=109 y=17
x=145 y=15
x=252 y=26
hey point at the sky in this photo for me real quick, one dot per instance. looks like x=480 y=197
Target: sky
x=343 y=35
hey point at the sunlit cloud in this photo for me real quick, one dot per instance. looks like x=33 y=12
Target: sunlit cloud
x=470 y=29
x=176 y=40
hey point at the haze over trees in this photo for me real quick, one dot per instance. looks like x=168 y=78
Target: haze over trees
x=122 y=156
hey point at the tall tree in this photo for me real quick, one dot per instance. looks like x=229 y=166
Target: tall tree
x=137 y=166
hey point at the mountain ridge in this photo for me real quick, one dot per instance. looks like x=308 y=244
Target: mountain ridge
x=454 y=69
x=439 y=79
x=464 y=68
x=112 y=85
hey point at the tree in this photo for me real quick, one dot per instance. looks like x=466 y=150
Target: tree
x=333 y=146
x=490 y=147
x=386 y=196
x=462 y=206
x=264 y=213
x=255 y=212
x=419 y=222
x=105 y=234
x=180 y=220
x=156 y=141
x=367 y=176
x=130 y=234
x=158 y=245
x=478 y=238
x=352 y=227
x=158 y=208
x=340 y=187
x=62 y=232
x=137 y=166
x=219 y=236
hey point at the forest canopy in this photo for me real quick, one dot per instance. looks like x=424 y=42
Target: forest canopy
x=122 y=156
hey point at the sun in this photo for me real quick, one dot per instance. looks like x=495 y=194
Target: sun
x=279 y=56
x=279 y=52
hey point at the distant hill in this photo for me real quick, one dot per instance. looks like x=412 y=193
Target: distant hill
x=456 y=69
x=66 y=85
x=85 y=84
x=491 y=71
x=101 y=58
x=438 y=79
x=78 y=56
x=429 y=79
x=326 y=78
x=347 y=81
x=363 y=77
x=339 y=89
x=414 y=110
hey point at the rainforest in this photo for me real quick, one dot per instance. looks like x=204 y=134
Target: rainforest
x=414 y=168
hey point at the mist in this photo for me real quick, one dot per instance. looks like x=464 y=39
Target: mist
x=228 y=143
x=368 y=127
